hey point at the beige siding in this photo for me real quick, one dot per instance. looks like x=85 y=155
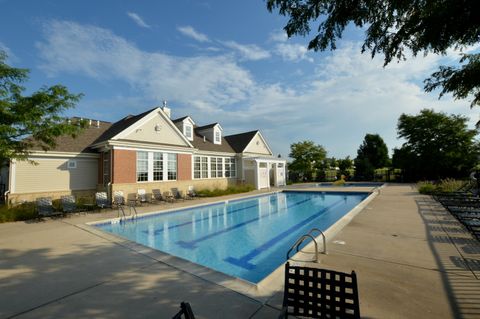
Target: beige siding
x=52 y=174
x=257 y=146
x=166 y=134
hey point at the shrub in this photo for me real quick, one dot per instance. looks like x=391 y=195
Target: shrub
x=340 y=182
x=443 y=186
x=449 y=185
x=426 y=187
x=20 y=212
x=228 y=191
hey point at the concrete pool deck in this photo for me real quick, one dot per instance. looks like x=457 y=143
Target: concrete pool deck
x=412 y=259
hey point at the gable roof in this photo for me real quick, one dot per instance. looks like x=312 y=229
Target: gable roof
x=240 y=141
x=199 y=143
x=204 y=127
x=180 y=119
x=80 y=144
x=121 y=125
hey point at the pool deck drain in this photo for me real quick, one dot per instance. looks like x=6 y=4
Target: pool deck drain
x=412 y=259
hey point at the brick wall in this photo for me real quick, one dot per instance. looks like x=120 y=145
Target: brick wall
x=184 y=167
x=124 y=166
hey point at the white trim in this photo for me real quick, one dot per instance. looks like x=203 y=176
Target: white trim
x=160 y=150
x=147 y=118
x=11 y=176
x=212 y=153
x=263 y=140
x=62 y=154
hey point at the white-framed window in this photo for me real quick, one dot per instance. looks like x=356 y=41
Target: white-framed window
x=172 y=167
x=189 y=132
x=142 y=166
x=200 y=167
x=71 y=164
x=217 y=137
x=230 y=167
x=158 y=166
x=216 y=167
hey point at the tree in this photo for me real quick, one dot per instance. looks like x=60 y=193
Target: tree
x=372 y=154
x=346 y=166
x=36 y=116
x=393 y=27
x=307 y=158
x=437 y=146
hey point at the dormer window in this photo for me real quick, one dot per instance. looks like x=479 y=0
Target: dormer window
x=217 y=137
x=189 y=132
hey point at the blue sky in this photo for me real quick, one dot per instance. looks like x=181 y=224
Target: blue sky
x=217 y=61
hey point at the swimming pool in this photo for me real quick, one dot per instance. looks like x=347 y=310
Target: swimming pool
x=245 y=238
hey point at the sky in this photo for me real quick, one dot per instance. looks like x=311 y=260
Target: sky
x=218 y=61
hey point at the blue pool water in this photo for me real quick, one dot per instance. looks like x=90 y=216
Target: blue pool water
x=245 y=238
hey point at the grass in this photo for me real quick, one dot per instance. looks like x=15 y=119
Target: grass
x=228 y=191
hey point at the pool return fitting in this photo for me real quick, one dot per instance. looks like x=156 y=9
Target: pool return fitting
x=308 y=235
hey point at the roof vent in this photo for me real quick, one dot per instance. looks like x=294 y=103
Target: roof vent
x=204 y=139
x=89 y=122
x=97 y=124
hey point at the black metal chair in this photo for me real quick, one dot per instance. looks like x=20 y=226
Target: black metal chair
x=69 y=204
x=45 y=207
x=320 y=293
x=101 y=200
x=185 y=310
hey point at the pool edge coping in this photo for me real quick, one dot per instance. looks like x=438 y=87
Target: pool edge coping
x=260 y=291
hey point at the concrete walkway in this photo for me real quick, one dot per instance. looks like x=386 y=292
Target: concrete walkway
x=412 y=259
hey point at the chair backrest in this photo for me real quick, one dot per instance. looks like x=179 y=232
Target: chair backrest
x=191 y=191
x=176 y=193
x=157 y=194
x=68 y=203
x=44 y=206
x=185 y=310
x=118 y=198
x=101 y=199
x=142 y=195
x=320 y=293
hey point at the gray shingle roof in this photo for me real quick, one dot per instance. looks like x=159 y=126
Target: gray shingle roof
x=80 y=144
x=240 y=141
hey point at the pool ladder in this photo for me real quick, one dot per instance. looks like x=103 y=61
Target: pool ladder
x=130 y=206
x=308 y=235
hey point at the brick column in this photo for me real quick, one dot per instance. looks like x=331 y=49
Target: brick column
x=184 y=167
x=124 y=166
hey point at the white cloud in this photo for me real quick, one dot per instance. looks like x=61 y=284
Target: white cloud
x=138 y=20
x=345 y=96
x=10 y=56
x=278 y=36
x=95 y=52
x=292 y=52
x=192 y=33
x=248 y=51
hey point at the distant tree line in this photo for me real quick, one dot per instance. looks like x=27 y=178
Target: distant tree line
x=436 y=146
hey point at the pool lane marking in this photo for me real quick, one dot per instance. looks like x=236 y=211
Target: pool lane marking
x=244 y=260
x=192 y=244
x=158 y=231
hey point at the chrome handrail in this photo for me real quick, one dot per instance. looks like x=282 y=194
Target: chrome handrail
x=323 y=237
x=300 y=241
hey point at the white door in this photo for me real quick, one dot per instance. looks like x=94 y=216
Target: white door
x=263 y=176
x=280 y=174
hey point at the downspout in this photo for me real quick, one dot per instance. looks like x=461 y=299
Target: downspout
x=109 y=185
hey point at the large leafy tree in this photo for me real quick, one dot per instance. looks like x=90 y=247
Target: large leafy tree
x=307 y=158
x=437 y=145
x=31 y=119
x=394 y=28
x=372 y=154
